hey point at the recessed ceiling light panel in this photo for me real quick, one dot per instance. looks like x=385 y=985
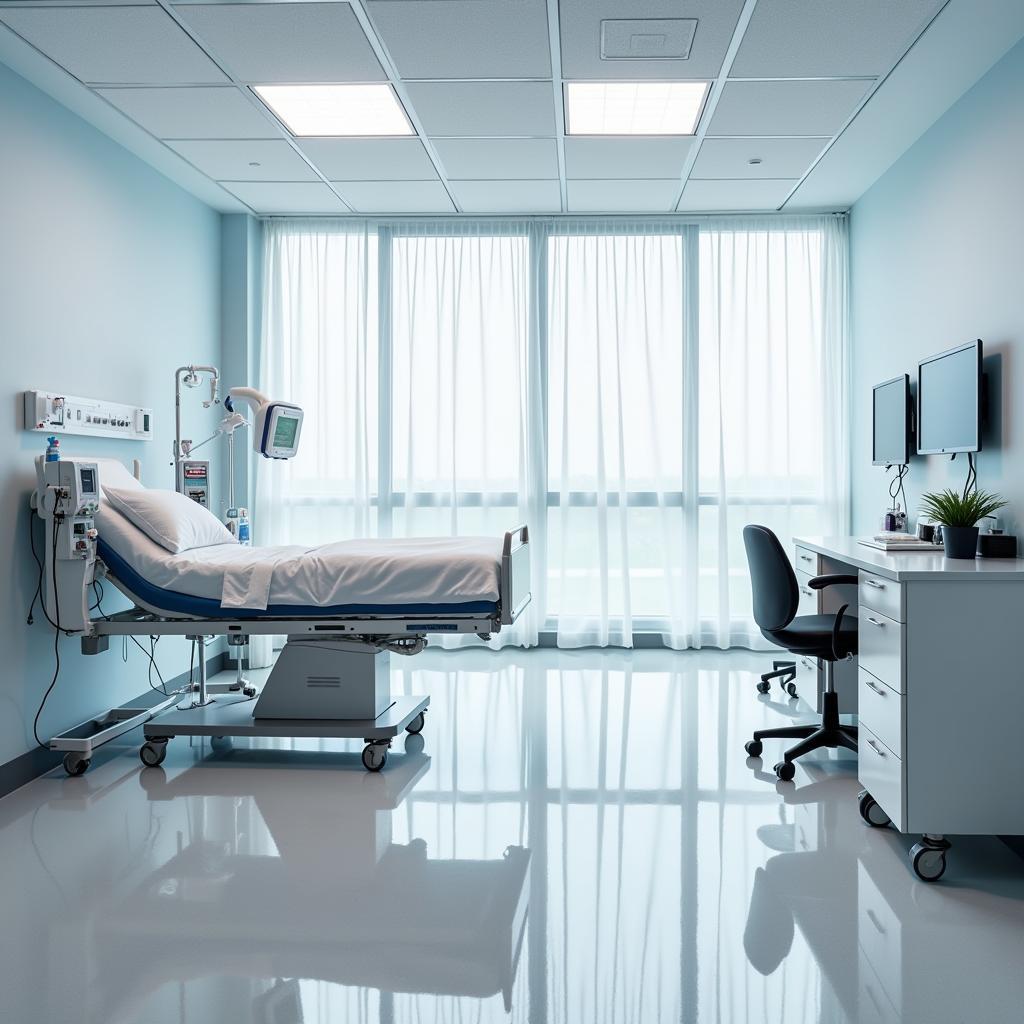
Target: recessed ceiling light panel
x=633 y=108
x=337 y=110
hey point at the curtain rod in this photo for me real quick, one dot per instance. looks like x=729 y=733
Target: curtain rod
x=663 y=218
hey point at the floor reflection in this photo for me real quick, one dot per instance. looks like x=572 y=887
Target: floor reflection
x=578 y=838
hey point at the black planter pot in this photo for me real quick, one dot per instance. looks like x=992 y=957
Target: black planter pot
x=960 y=541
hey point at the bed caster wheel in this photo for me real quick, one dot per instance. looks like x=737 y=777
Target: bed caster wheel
x=753 y=748
x=75 y=764
x=790 y=688
x=872 y=814
x=785 y=770
x=763 y=686
x=153 y=752
x=929 y=862
x=375 y=756
x=416 y=725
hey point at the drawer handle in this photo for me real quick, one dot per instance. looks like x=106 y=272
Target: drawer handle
x=806 y=592
x=876 y=747
x=875 y=622
x=877 y=689
x=874 y=583
x=806 y=558
x=873 y=918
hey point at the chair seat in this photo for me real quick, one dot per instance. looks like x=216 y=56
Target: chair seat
x=812 y=634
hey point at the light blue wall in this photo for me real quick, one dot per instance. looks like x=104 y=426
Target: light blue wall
x=937 y=260
x=110 y=279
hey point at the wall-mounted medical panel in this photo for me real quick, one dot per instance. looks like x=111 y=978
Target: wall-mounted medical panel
x=52 y=413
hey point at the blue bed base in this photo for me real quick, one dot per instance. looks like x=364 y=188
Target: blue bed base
x=207 y=608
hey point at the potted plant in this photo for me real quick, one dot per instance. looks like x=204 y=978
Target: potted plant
x=958 y=515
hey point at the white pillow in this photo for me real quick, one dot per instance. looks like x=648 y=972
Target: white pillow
x=175 y=522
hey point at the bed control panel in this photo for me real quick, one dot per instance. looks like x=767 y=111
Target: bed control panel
x=53 y=413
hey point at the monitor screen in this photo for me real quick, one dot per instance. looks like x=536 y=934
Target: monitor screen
x=890 y=445
x=949 y=401
x=285 y=429
x=88 y=481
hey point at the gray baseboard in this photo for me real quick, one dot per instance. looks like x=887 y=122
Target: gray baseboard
x=30 y=765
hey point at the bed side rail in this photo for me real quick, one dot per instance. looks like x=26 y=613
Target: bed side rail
x=515 y=574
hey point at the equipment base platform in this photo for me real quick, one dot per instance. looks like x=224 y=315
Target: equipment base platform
x=230 y=716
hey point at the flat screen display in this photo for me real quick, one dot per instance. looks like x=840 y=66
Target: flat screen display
x=890 y=444
x=949 y=401
x=88 y=481
x=285 y=429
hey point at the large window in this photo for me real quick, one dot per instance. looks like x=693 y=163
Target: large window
x=635 y=392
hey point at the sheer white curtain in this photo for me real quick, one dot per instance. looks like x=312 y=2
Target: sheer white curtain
x=635 y=392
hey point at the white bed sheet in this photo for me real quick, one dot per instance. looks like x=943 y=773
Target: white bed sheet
x=392 y=572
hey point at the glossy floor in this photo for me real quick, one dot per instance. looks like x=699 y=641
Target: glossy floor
x=580 y=839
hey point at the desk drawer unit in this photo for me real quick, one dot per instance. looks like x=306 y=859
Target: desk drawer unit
x=880 y=772
x=882 y=595
x=881 y=709
x=880 y=647
x=808 y=598
x=806 y=561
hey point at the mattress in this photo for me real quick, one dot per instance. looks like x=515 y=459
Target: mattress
x=406 y=576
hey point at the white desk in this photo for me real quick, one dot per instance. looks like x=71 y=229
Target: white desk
x=939 y=685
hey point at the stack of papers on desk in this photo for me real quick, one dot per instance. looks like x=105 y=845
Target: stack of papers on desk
x=898 y=542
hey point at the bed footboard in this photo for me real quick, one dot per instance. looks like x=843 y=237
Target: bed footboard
x=515 y=574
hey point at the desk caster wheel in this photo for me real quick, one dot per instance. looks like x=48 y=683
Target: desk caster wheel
x=249 y=691
x=375 y=756
x=153 y=752
x=763 y=686
x=790 y=688
x=75 y=764
x=753 y=748
x=929 y=863
x=872 y=814
x=785 y=770
x=416 y=725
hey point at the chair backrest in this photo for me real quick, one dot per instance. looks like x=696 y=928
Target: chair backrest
x=776 y=594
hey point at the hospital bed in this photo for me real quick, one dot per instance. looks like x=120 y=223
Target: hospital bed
x=344 y=608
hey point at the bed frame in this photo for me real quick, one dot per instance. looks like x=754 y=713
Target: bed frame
x=331 y=680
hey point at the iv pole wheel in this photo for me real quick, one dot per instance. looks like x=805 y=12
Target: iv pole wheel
x=375 y=756
x=75 y=764
x=415 y=727
x=153 y=752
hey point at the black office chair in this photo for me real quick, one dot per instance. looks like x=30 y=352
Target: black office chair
x=831 y=638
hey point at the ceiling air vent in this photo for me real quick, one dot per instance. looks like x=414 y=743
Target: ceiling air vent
x=647 y=38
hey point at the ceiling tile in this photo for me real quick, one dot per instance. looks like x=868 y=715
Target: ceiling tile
x=621 y=195
x=581 y=38
x=517 y=196
x=778 y=158
x=245 y=160
x=484 y=108
x=625 y=158
x=465 y=38
x=726 y=196
x=286 y=42
x=396 y=196
x=786 y=108
x=112 y=45
x=286 y=197
x=211 y=113
x=498 y=158
x=836 y=38
x=370 y=159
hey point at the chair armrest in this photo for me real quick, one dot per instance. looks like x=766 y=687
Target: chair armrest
x=836 y=628
x=821 y=582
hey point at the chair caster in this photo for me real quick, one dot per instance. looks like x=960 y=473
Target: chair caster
x=785 y=770
x=75 y=764
x=929 y=861
x=416 y=725
x=753 y=748
x=153 y=752
x=870 y=811
x=790 y=688
x=375 y=756
x=763 y=686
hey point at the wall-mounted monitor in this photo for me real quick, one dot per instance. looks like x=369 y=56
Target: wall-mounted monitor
x=949 y=401
x=891 y=422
